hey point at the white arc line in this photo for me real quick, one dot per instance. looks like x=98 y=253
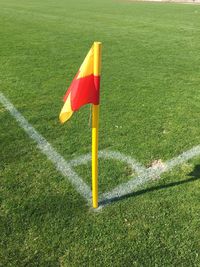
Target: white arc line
x=107 y=154
x=129 y=187
x=60 y=163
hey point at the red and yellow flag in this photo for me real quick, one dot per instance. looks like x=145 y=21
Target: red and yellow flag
x=84 y=88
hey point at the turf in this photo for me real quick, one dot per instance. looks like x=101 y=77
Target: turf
x=150 y=94
x=111 y=173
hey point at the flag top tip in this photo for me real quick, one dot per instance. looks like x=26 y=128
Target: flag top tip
x=97 y=42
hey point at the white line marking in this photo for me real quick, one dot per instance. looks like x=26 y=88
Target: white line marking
x=185 y=156
x=66 y=168
x=60 y=163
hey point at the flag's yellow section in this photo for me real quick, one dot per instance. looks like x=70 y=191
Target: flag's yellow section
x=87 y=67
x=66 y=111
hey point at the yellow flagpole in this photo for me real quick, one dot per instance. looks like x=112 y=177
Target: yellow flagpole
x=95 y=128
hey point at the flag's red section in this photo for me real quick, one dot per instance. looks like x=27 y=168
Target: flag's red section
x=70 y=88
x=84 y=90
x=97 y=83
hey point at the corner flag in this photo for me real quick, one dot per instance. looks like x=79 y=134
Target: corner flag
x=83 y=90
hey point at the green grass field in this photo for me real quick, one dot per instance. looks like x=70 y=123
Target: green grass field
x=150 y=109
